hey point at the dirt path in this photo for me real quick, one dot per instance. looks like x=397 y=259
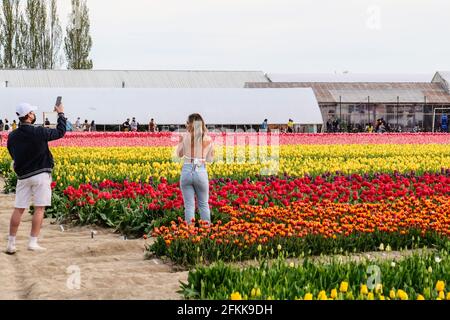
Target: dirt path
x=108 y=266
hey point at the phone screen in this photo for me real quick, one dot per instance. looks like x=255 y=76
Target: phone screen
x=58 y=101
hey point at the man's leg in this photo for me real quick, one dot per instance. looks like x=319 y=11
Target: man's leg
x=38 y=217
x=15 y=221
x=13 y=227
x=23 y=197
x=42 y=194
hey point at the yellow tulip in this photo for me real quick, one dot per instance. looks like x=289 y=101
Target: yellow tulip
x=343 y=287
x=322 y=295
x=364 y=289
x=440 y=286
x=236 y=296
x=333 y=293
x=379 y=288
x=402 y=294
x=392 y=294
x=308 y=296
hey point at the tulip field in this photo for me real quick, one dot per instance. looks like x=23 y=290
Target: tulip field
x=273 y=198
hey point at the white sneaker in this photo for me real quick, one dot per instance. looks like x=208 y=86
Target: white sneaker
x=11 y=248
x=35 y=247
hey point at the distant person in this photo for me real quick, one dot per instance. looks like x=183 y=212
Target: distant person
x=2 y=127
x=7 y=127
x=335 y=125
x=85 y=126
x=33 y=164
x=47 y=122
x=93 y=127
x=152 y=126
x=78 y=124
x=329 y=126
x=196 y=149
x=126 y=125
x=69 y=126
x=381 y=128
x=290 y=126
x=14 y=125
x=134 y=125
x=264 y=125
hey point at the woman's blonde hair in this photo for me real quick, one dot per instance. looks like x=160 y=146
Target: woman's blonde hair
x=198 y=127
x=197 y=130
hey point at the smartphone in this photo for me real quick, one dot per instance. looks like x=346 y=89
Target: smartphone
x=58 y=101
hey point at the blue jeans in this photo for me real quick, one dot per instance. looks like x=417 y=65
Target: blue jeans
x=194 y=181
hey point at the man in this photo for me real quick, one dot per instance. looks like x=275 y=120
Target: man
x=78 y=124
x=126 y=125
x=152 y=126
x=290 y=126
x=33 y=164
x=134 y=125
x=264 y=125
x=2 y=125
x=69 y=126
x=85 y=127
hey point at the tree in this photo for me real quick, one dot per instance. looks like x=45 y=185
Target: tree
x=43 y=35
x=78 y=42
x=55 y=37
x=20 y=45
x=33 y=33
x=1 y=41
x=11 y=26
x=32 y=39
x=44 y=55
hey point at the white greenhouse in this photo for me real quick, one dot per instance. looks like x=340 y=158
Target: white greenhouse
x=231 y=106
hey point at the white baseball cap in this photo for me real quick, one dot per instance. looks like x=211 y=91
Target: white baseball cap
x=24 y=108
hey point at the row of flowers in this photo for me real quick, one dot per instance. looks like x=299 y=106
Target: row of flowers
x=162 y=201
x=307 y=227
x=122 y=139
x=75 y=166
x=419 y=277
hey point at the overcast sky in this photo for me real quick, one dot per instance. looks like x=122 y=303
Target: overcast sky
x=288 y=36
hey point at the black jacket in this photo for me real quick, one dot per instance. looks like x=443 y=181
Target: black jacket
x=28 y=147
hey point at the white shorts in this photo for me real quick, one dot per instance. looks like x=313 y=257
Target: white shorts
x=35 y=190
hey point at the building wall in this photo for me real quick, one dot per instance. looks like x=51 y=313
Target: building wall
x=404 y=117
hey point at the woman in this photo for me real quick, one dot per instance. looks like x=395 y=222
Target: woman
x=195 y=148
